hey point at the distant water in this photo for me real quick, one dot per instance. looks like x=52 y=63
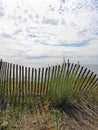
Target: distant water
x=93 y=68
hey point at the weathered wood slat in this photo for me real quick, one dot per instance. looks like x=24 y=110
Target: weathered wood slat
x=51 y=80
x=38 y=86
x=32 y=82
x=7 y=84
x=20 y=88
x=57 y=80
x=0 y=64
x=26 y=88
x=48 y=80
x=45 y=80
x=35 y=84
x=14 y=87
x=10 y=83
x=17 y=85
x=71 y=68
x=42 y=79
x=23 y=90
x=2 y=75
x=29 y=85
x=13 y=91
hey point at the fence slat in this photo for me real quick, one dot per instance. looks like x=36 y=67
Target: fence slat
x=55 y=76
x=48 y=79
x=51 y=80
x=10 y=83
x=13 y=91
x=42 y=76
x=35 y=80
x=17 y=85
x=71 y=68
x=26 y=88
x=7 y=84
x=20 y=89
x=45 y=80
x=22 y=86
x=32 y=82
x=29 y=89
x=13 y=78
x=38 y=86
x=0 y=64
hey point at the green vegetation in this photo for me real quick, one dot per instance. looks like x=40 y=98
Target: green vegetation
x=69 y=84
x=44 y=117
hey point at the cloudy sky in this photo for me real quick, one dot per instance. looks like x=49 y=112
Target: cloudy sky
x=42 y=32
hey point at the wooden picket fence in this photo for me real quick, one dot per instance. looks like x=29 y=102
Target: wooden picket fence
x=19 y=84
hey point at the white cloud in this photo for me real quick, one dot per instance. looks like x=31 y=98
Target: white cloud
x=30 y=28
